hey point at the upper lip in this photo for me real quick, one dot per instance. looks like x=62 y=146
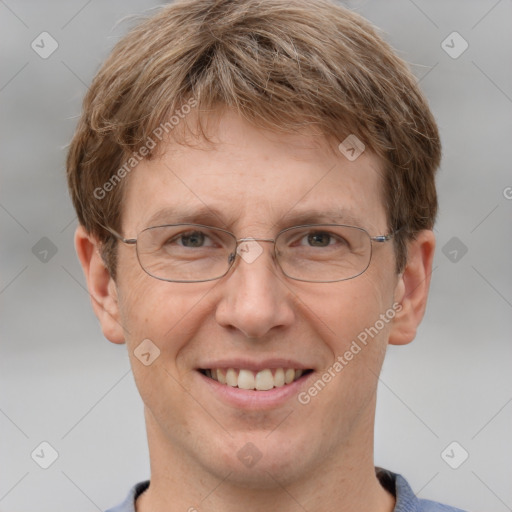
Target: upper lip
x=255 y=366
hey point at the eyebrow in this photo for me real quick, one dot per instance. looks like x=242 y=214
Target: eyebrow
x=328 y=215
x=187 y=215
x=211 y=216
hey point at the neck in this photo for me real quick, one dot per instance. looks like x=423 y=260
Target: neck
x=345 y=481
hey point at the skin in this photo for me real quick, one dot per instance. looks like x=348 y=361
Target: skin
x=317 y=456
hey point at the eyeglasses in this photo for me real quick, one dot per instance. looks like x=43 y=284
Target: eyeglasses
x=190 y=253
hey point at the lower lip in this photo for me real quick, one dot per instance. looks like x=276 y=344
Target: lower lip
x=252 y=399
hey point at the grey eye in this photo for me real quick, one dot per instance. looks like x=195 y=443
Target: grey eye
x=319 y=239
x=192 y=239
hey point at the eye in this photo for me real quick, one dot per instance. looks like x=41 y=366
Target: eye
x=311 y=239
x=318 y=239
x=192 y=239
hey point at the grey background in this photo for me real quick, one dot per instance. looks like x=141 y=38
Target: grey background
x=62 y=383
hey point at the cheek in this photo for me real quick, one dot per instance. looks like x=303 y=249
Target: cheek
x=168 y=314
x=344 y=310
x=160 y=321
x=354 y=323
x=356 y=336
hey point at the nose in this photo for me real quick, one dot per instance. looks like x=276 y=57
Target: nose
x=254 y=300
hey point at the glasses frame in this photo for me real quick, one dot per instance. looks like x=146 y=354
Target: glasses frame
x=232 y=257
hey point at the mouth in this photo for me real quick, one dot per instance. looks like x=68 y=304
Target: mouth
x=262 y=380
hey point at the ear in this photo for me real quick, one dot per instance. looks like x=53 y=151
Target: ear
x=412 y=288
x=102 y=288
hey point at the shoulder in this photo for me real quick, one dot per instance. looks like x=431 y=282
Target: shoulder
x=432 y=506
x=406 y=500
x=128 y=505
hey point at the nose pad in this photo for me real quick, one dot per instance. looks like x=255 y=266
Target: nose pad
x=249 y=250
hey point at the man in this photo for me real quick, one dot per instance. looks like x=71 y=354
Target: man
x=255 y=188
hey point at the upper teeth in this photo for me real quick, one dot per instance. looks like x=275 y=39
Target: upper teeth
x=247 y=379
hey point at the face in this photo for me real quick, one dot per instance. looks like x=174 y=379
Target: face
x=254 y=319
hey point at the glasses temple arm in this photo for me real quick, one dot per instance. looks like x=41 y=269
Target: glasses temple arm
x=117 y=235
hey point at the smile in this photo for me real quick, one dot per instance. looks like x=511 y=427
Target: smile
x=262 y=380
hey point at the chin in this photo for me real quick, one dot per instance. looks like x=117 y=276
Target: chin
x=266 y=460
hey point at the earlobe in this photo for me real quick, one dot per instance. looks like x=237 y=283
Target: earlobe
x=412 y=288
x=101 y=286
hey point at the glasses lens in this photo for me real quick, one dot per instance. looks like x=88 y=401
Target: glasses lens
x=323 y=253
x=185 y=252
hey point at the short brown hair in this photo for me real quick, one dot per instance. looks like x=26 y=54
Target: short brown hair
x=282 y=65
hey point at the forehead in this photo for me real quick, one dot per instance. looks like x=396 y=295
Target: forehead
x=256 y=179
